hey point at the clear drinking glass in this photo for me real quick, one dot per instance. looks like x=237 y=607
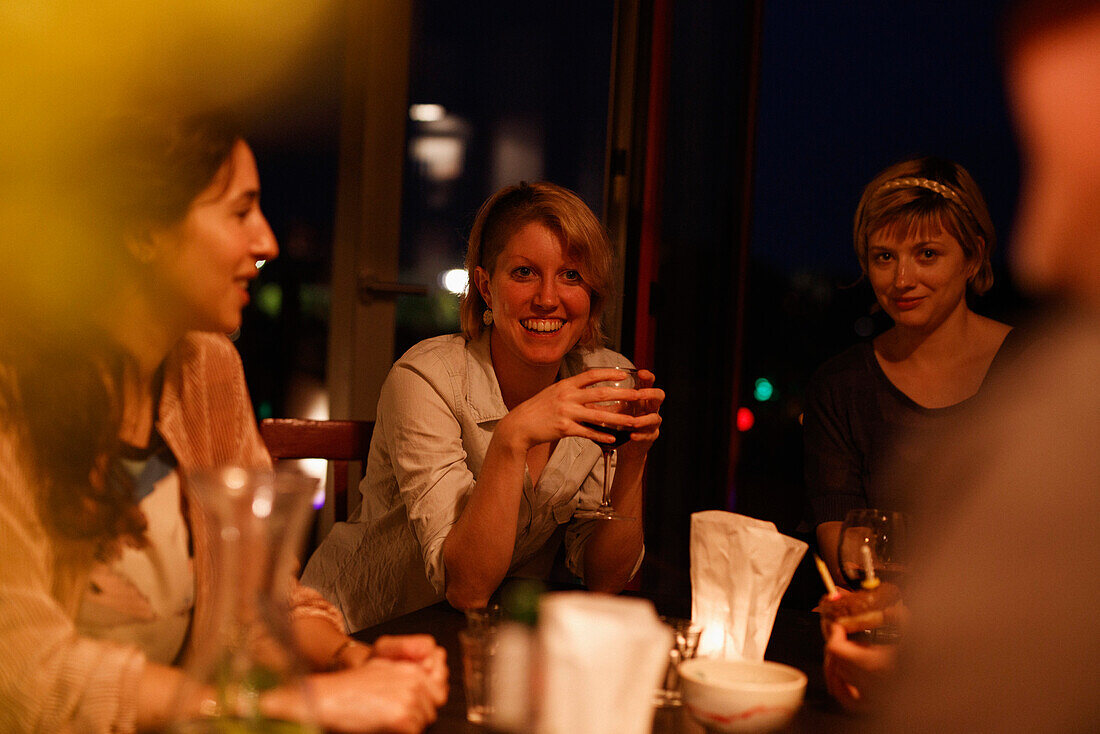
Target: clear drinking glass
x=483 y=620
x=685 y=645
x=252 y=522
x=628 y=380
x=478 y=647
x=885 y=535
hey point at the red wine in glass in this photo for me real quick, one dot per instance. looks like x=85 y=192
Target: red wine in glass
x=620 y=435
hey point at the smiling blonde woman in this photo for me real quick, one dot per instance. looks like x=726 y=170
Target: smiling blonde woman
x=480 y=456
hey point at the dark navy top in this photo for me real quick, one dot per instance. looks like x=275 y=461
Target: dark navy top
x=866 y=442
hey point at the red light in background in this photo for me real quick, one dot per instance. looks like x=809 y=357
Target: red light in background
x=745 y=419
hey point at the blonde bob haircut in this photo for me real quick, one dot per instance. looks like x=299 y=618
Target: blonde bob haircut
x=921 y=197
x=563 y=213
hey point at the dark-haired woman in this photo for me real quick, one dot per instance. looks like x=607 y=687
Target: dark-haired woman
x=104 y=571
x=480 y=457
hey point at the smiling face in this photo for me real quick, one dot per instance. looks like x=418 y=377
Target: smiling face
x=918 y=280
x=203 y=265
x=541 y=305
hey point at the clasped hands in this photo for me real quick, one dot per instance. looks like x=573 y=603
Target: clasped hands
x=394 y=685
x=564 y=407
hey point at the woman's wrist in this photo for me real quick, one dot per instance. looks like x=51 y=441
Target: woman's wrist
x=350 y=654
x=628 y=475
x=506 y=440
x=287 y=703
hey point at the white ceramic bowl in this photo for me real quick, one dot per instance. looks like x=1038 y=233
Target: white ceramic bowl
x=741 y=696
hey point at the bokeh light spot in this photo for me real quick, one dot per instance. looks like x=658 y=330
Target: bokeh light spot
x=763 y=390
x=454 y=280
x=745 y=419
x=269 y=299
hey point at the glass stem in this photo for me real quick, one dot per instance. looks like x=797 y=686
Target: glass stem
x=607 y=478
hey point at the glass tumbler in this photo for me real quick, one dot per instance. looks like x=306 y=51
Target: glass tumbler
x=685 y=645
x=478 y=648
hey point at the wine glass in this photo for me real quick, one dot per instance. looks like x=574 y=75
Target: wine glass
x=628 y=380
x=884 y=535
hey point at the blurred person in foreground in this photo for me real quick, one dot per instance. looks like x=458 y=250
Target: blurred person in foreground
x=480 y=455
x=1003 y=633
x=924 y=238
x=105 y=406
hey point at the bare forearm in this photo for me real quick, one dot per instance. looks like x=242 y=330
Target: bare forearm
x=613 y=548
x=478 y=550
x=611 y=553
x=324 y=647
x=156 y=698
x=159 y=704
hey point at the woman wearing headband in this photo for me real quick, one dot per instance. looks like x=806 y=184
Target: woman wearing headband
x=923 y=237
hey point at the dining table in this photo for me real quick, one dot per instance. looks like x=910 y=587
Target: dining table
x=795 y=640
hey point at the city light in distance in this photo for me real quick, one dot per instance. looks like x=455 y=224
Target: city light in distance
x=745 y=419
x=427 y=112
x=454 y=280
x=763 y=390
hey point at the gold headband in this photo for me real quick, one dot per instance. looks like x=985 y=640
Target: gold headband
x=925 y=183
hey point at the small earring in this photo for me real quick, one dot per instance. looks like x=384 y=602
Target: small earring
x=487 y=317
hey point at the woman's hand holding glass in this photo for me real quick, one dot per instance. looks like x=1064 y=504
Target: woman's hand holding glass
x=625 y=379
x=647 y=420
x=563 y=409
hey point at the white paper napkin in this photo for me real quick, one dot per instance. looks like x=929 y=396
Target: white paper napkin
x=740 y=567
x=602 y=658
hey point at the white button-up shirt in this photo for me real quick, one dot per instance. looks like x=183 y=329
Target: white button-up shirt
x=436 y=414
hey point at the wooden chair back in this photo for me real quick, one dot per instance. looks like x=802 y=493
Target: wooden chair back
x=337 y=441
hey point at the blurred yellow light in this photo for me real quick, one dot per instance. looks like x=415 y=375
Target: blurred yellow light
x=66 y=67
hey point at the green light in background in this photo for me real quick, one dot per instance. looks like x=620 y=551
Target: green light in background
x=763 y=389
x=269 y=299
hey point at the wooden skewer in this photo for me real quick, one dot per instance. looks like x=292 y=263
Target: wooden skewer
x=825 y=576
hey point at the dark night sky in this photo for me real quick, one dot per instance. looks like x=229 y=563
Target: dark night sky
x=849 y=88
x=845 y=90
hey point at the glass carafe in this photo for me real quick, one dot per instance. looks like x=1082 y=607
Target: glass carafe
x=252 y=523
